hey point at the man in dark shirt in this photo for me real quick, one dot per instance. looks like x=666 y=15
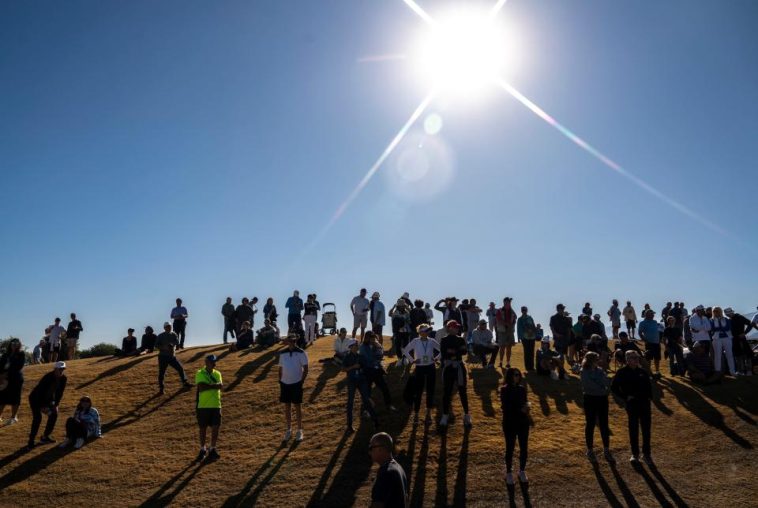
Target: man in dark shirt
x=243 y=314
x=743 y=353
x=452 y=349
x=45 y=398
x=227 y=310
x=166 y=344
x=632 y=385
x=390 y=488
x=560 y=326
x=72 y=336
x=179 y=314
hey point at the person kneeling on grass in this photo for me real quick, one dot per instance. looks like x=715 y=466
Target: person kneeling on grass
x=549 y=361
x=83 y=425
x=209 y=384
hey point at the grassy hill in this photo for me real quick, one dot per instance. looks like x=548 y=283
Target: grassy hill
x=703 y=443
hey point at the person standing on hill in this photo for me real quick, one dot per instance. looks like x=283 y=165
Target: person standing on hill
x=311 y=317
x=429 y=313
x=45 y=398
x=630 y=316
x=243 y=314
x=359 y=308
x=423 y=352
x=632 y=385
x=527 y=332
x=209 y=384
x=614 y=313
x=293 y=369
x=505 y=331
x=356 y=381
x=73 y=330
x=294 y=306
x=722 y=340
x=742 y=353
x=378 y=315
x=12 y=365
x=651 y=334
x=700 y=326
x=516 y=422
x=179 y=315
x=227 y=310
x=401 y=328
x=57 y=333
x=492 y=317
x=166 y=344
x=269 y=312
x=417 y=317
x=390 y=488
x=452 y=349
x=595 y=385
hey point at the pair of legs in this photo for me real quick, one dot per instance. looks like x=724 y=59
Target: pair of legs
x=310 y=328
x=54 y=353
x=505 y=350
x=596 y=412
x=228 y=328
x=293 y=322
x=676 y=359
x=75 y=430
x=451 y=377
x=631 y=327
x=163 y=364
x=426 y=379
x=723 y=346
x=367 y=404
x=528 y=354
x=481 y=351
x=401 y=340
x=616 y=327
x=359 y=322
x=288 y=415
x=376 y=377
x=214 y=435
x=52 y=417
x=180 y=327
x=14 y=410
x=377 y=329
x=516 y=431
x=638 y=413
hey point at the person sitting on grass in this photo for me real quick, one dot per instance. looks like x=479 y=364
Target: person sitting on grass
x=268 y=335
x=147 y=345
x=700 y=366
x=598 y=344
x=128 y=344
x=244 y=338
x=623 y=346
x=484 y=345
x=549 y=361
x=83 y=425
x=341 y=346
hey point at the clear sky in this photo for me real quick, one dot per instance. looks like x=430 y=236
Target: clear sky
x=150 y=150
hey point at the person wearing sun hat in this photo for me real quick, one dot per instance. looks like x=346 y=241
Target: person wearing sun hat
x=45 y=399
x=452 y=348
x=423 y=352
x=209 y=384
x=377 y=313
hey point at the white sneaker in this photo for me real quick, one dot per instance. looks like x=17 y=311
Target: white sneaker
x=509 y=478
x=79 y=443
x=287 y=435
x=443 y=421
x=299 y=435
x=10 y=421
x=467 y=421
x=522 y=477
x=65 y=443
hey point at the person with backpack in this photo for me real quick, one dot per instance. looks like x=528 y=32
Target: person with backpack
x=423 y=352
x=45 y=399
x=208 y=406
x=721 y=327
x=526 y=331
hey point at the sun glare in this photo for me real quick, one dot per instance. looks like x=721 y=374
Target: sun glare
x=462 y=52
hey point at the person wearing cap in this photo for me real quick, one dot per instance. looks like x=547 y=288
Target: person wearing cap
x=356 y=381
x=651 y=335
x=483 y=344
x=742 y=353
x=548 y=361
x=128 y=344
x=630 y=316
x=209 y=384
x=294 y=306
x=390 y=489
x=527 y=332
x=227 y=310
x=700 y=326
x=179 y=315
x=84 y=424
x=505 y=330
x=614 y=313
x=12 y=365
x=341 y=346
x=45 y=399
x=293 y=369
x=166 y=344
x=57 y=334
x=401 y=327
x=423 y=352
x=632 y=385
x=452 y=349
x=560 y=327
x=377 y=313
x=721 y=327
x=359 y=307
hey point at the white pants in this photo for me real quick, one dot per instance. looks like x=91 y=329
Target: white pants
x=310 y=328
x=725 y=346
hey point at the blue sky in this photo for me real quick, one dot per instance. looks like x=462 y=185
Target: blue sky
x=150 y=150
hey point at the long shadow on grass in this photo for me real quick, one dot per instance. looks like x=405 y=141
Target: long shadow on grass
x=32 y=466
x=159 y=499
x=204 y=352
x=609 y=495
x=459 y=495
x=659 y=496
x=440 y=495
x=121 y=367
x=250 y=367
x=419 y=483
x=739 y=397
x=247 y=498
x=631 y=502
x=678 y=501
x=485 y=384
x=316 y=496
x=328 y=371
x=135 y=414
x=562 y=392
x=700 y=407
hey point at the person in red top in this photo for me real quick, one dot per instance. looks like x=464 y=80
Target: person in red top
x=505 y=330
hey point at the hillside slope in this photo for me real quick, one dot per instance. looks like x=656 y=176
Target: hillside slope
x=703 y=442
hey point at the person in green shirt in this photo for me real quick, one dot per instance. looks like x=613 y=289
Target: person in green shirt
x=209 y=384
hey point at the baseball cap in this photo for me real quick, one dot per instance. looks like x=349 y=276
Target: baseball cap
x=546 y=339
x=212 y=358
x=166 y=324
x=60 y=365
x=699 y=307
x=728 y=310
x=482 y=321
x=452 y=323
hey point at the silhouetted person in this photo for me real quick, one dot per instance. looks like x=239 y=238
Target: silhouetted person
x=45 y=399
x=633 y=386
x=179 y=314
x=166 y=344
x=390 y=488
x=227 y=310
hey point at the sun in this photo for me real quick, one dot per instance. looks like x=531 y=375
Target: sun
x=462 y=52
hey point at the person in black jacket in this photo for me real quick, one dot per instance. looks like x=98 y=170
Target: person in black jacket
x=228 y=311
x=12 y=364
x=516 y=422
x=632 y=385
x=45 y=398
x=147 y=345
x=452 y=349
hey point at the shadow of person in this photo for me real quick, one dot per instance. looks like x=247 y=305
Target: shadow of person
x=328 y=371
x=205 y=352
x=678 y=501
x=536 y=385
x=136 y=414
x=485 y=383
x=708 y=414
x=607 y=492
x=525 y=494
x=158 y=498
x=32 y=466
x=250 y=367
x=440 y=496
x=459 y=492
x=562 y=392
x=247 y=498
x=740 y=397
x=659 y=496
x=419 y=482
x=121 y=367
x=316 y=496
x=631 y=502
x=657 y=399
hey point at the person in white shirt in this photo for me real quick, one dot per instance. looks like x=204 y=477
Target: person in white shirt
x=700 y=326
x=423 y=352
x=378 y=314
x=630 y=316
x=57 y=333
x=293 y=369
x=359 y=308
x=722 y=340
x=483 y=344
x=341 y=346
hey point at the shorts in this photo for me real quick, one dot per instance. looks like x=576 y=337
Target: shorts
x=505 y=338
x=209 y=416
x=360 y=320
x=291 y=394
x=616 y=324
x=631 y=324
x=652 y=351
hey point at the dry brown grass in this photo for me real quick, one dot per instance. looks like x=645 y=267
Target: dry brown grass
x=149 y=443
